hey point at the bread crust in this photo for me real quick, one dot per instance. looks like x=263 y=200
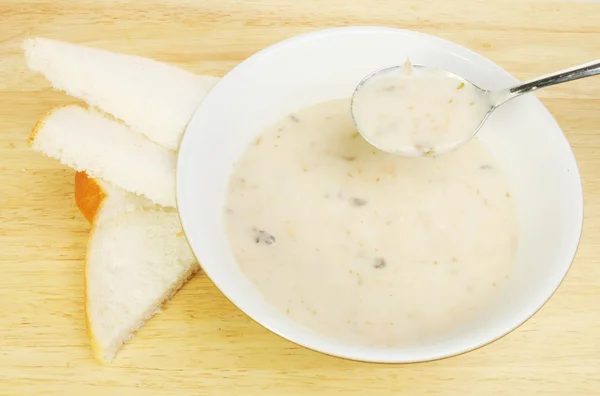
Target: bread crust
x=96 y=349
x=89 y=196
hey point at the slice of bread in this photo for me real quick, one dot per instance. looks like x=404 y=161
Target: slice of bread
x=137 y=259
x=135 y=262
x=153 y=98
x=104 y=148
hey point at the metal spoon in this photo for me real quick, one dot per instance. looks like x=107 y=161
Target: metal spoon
x=491 y=101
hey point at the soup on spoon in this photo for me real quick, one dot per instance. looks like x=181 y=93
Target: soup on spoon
x=414 y=111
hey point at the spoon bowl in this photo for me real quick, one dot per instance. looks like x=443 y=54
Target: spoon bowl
x=417 y=110
x=393 y=110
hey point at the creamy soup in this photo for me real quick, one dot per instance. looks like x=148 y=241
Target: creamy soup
x=363 y=246
x=418 y=111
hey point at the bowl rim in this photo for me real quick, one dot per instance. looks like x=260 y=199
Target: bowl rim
x=578 y=211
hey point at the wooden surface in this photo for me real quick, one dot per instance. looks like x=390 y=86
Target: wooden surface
x=201 y=344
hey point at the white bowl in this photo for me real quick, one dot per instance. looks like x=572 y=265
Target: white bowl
x=328 y=64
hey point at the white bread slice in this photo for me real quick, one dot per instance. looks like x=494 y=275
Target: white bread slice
x=136 y=260
x=104 y=148
x=106 y=301
x=153 y=98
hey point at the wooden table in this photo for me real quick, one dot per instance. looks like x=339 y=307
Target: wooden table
x=201 y=344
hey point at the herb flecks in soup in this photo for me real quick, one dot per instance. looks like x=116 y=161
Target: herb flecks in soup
x=364 y=246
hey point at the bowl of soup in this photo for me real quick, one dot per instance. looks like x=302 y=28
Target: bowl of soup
x=347 y=250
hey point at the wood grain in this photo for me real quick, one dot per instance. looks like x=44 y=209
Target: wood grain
x=201 y=344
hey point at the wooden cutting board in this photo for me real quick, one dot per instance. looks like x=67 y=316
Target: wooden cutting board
x=201 y=344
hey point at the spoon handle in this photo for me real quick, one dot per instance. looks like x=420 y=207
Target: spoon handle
x=573 y=73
